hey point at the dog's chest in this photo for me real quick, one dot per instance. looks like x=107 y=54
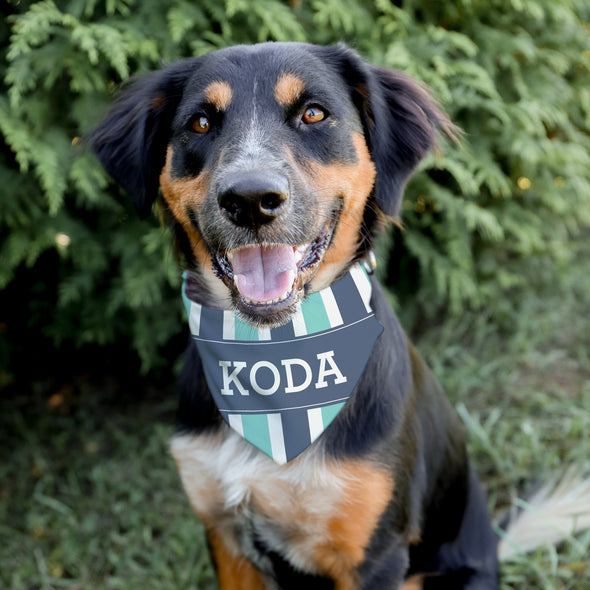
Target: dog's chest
x=314 y=512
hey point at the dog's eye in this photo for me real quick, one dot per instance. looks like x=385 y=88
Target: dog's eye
x=201 y=124
x=313 y=114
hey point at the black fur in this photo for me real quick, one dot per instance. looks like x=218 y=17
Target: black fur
x=131 y=142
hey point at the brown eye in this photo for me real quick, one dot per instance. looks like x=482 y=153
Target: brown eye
x=313 y=114
x=201 y=124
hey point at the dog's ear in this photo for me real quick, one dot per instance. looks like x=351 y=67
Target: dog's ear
x=131 y=141
x=400 y=120
x=401 y=124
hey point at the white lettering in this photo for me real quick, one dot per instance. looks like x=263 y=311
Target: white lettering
x=327 y=368
x=228 y=379
x=327 y=357
x=273 y=370
x=291 y=388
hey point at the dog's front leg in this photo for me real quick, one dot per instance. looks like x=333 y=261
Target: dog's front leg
x=234 y=571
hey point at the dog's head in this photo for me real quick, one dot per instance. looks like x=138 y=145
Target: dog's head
x=275 y=164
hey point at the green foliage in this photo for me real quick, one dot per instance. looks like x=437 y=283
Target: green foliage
x=481 y=222
x=514 y=76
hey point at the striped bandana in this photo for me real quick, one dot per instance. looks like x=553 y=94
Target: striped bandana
x=281 y=387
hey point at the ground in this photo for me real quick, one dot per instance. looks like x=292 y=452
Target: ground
x=90 y=499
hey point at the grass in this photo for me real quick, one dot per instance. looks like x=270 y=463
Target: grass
x=90 y=499
x=525 y=399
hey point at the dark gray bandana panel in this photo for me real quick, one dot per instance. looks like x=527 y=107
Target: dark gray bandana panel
x=280 y=388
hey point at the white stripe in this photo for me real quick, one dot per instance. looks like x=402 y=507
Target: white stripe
x=235 y=421
x=194 y=318
x=277 y=442
x=299 y=322
x=229 y=325
x=263 y=333
x=316 y=423
x=271 y=343
x=329 y=403
x=363 y=285
x=331 y=307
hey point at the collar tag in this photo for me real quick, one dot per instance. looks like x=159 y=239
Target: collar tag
x=280 y=388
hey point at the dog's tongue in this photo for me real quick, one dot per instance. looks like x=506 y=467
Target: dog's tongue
x=264 y=273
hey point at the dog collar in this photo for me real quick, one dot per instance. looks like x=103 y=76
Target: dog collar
x=280 y=388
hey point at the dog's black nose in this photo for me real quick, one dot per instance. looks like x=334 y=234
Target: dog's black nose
x=254 y=198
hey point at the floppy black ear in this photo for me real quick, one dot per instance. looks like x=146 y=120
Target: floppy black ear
x=400 y=119
x=131 y=141
x=401 y=124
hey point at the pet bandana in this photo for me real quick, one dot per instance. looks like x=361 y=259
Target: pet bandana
x=281 y=387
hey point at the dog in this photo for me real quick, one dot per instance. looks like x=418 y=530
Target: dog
x=275 y=166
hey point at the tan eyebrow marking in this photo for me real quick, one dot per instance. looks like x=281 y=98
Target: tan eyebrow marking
x=288 y=89
x=158 y=102
x=219 y=94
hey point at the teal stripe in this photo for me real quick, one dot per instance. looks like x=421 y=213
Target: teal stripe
x=256 y=432
x=245 y=331
x=314 y=314
x=330 y=412
x=185 y=299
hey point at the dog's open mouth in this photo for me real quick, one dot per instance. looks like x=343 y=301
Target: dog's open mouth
x=266 y=280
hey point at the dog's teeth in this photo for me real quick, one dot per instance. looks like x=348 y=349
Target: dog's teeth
x=299 y=253
x=276 y=300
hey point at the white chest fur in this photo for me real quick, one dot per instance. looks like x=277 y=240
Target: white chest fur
x=241 y=492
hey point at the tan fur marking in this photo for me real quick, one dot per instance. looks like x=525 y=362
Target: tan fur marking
x=233 y=572
x=353 y=183
x=353 y=522
x=334 y=538
x=181 y=195
x=158 y=102
x=219 y=94
x=288 y=89
x=321 y=513
x=414 y=583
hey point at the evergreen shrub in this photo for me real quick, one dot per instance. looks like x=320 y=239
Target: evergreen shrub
x=481 y=221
